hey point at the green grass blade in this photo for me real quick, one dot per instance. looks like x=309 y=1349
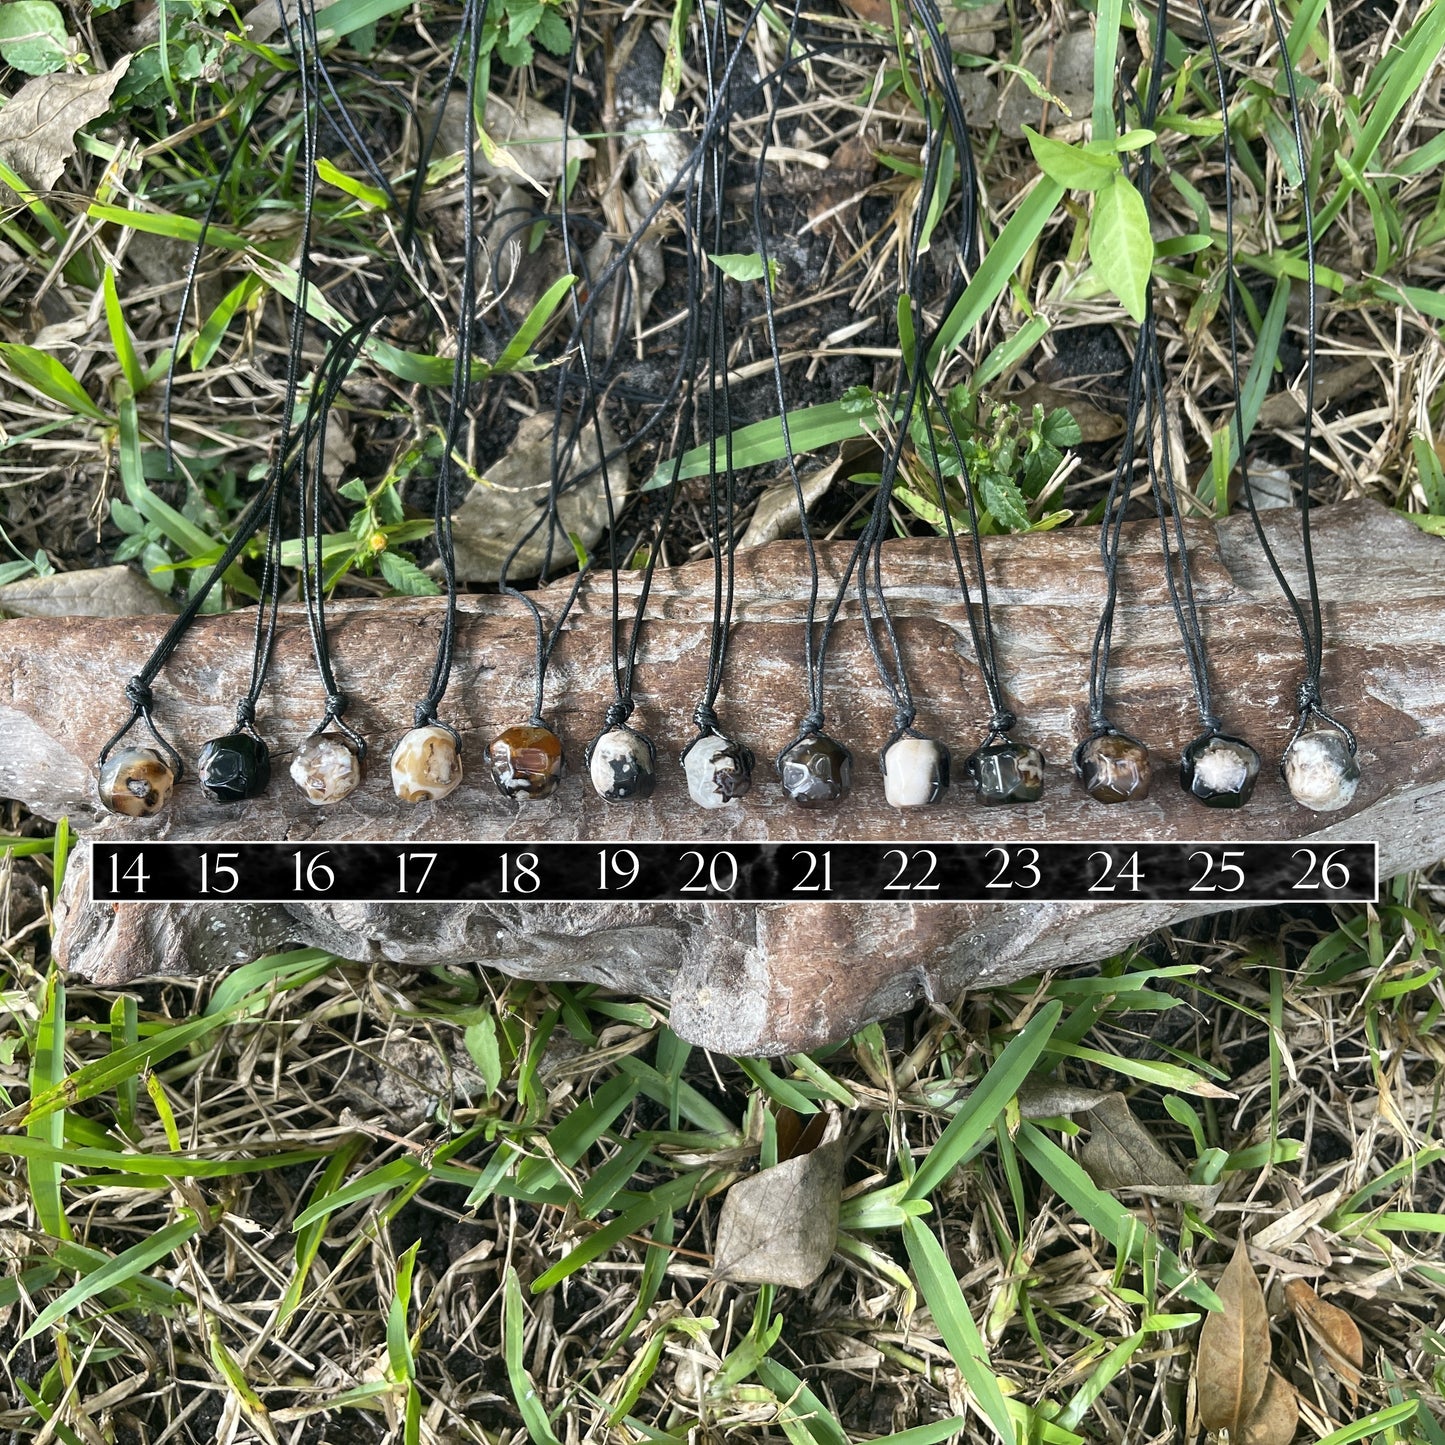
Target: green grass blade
x=1104 y=1213
x=1004 y=258
x=998 y=1085
x=47 y=1069
x=524 y=1392
x=118 y=1271
x=939 y=1287
x=761 y=442
x=40 y=370
x=537 y=318
x=120 y=337
x=309 y=1236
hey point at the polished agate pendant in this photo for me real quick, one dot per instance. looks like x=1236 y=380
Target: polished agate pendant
x=816 y=771
x=1219 y=770
x=1006 y=772
x=234 y=767
x=1114 y=768
x=718 y=770
x=425 y=765
x=135 y=782
x=622 y=764
x=1321 y=772
x=327 y=768
x=915 y=771
x=526 y=761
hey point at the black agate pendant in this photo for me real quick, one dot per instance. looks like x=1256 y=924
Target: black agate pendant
x=816 y=771
x=1219 y=770
x=1113 y=767
x=1004 y=772
x=234 y=767
x=622 y=764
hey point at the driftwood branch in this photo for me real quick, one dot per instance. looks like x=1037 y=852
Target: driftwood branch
x=765 y=978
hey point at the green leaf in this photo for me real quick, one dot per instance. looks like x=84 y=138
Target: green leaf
x=49 y=377
x=1003 y=498
x=527 y=333
x=998 y=266
x=524 y=1392
x=1120 y=244
x=405 y=576
x=118 y=1271
x=1060 y=429
x=1072 y=166
x=809 y=428
x=939 y=1287
x=32 y=36
x=1106 y=57
x=47 y=1069
x=745 y=266
x=120 y=337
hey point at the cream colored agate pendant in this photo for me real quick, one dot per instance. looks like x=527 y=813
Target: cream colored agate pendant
x=426 y=764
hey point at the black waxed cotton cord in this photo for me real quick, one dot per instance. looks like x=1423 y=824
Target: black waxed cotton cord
x=1120 y=485
x=890 y=664
x=721 y=517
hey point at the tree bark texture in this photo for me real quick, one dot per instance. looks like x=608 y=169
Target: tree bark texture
x=763 y=978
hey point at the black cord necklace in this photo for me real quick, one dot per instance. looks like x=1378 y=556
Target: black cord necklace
x=1112 y=765
x=1320 y=764
x=718 y=768
x=426 y=763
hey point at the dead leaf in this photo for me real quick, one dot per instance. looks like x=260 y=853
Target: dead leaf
x=1332 y=1329
x=1275 y=1418
x=1052 y=1100
x=525 y=141
x=38 y=124
x=780 y=1226
x=851 y=169
x=512 y=495
x=1122 y=1155
x=776 y=513
x=1333 y=383
x=1232 y=1367
x=875 y=12
x=1094 y=424
x=95 y=592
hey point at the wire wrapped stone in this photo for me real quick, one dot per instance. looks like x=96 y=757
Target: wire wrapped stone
x=1113 y=767
x=326 y=768
x=426 y=764
x=622 y=765
x=1006 y=772
x=1320 y=771
x=816 y=771
x=719 y=770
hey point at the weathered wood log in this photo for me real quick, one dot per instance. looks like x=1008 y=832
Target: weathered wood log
x=765 y=978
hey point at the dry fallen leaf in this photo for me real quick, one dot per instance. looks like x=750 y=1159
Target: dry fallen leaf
x=1274 y=1419
x=38 y=124
x=1232 y=1367
x=850 y=172
x=1332 y=1329
x=96 y=592
x=780 y=1226
x=1121 y=1154
x=776 y=512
